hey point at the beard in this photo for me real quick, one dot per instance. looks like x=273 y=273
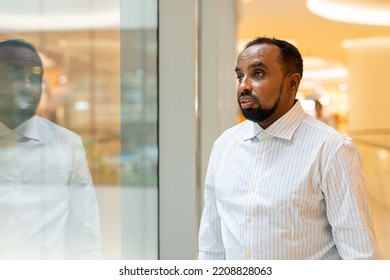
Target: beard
x=258 y=114
x=26 y=102
x=18 y=107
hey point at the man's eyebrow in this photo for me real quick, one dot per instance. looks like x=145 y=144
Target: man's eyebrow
x=253 y=65
x=257 y=64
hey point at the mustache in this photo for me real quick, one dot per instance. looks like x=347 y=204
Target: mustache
x=248 y=94
x=23 y=93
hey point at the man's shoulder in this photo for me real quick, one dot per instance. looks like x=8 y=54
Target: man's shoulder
x=51 y=130
x=238 y=128
x=325 y=131
x=235 y=132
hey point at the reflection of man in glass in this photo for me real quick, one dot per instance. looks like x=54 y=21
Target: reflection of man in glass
x=48 y=207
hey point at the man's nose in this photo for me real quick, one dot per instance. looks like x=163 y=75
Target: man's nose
x=245 y=85
x=27 y=82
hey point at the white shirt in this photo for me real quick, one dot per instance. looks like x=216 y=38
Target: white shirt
x=295 y=190
x=48 y=207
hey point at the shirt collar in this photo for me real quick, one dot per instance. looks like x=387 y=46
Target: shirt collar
x=28 y=129
x=284 y=127
x=4 y=130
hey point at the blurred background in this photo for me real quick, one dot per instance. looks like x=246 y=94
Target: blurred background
x=346 y=50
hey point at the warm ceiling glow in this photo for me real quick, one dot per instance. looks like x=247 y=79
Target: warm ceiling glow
x=366 y=43
x=317 y=68
x=17 y=22
x=374 y=12
x=326 y=74
x=60 y=15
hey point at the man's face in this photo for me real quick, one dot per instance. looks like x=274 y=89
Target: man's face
x=262 y=91
x=20 y=82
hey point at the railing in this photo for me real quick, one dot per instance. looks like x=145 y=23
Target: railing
x=374 y=146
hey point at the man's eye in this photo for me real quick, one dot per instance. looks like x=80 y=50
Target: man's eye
x=239 y=77
x=11 y=74
x=258 y=74
x=35 y=78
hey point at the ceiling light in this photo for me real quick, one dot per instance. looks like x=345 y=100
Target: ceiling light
x=343 y=87
x=367 y=43
x=50 y=22
x=375 y=12
x=60 y=15
x=383 y=154
x=81 y=105
x=326 y=74
x=318 y=68
x=324 y=100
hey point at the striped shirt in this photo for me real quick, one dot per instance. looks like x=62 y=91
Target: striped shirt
x=48 y=207
x=295 y=190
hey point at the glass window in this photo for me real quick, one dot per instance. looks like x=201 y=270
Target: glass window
x=100 y=82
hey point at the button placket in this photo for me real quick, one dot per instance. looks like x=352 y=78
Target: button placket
x=261 y=154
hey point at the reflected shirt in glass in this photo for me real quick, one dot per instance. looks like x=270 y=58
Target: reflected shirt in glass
x=295 y=190
x=48 y=206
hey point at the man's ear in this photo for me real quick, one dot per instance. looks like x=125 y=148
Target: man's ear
x=295 y=79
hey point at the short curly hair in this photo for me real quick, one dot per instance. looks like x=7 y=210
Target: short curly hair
x=290 y=57
x=20 y=43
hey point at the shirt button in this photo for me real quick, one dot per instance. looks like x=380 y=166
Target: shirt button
x=263 y=135
x=248 y=254
x=260 y=156
x=253 y=188
x=249 y=219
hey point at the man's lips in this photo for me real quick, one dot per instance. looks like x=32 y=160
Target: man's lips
x=24 y=102
x=246 y=102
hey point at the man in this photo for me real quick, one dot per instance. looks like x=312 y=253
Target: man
x=282 y=185
x=48 y=207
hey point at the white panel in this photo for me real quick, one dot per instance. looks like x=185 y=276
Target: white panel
x=177 y=129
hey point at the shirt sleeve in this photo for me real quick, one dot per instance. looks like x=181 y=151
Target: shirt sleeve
x=210 y=238
x=347 y=207
x=83 y=223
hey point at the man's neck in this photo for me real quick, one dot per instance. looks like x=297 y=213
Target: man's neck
x=15 y=121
